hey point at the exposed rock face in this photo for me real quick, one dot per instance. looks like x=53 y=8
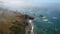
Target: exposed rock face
x=10 y=18
x=28 y=28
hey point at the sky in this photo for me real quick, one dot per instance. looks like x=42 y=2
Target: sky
x=43 y=1
x=29 y=2
x=20 y=3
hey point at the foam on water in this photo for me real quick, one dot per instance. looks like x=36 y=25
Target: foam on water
x=45 y=19
x=49 y=22
x=30 y=21
x=54 y=17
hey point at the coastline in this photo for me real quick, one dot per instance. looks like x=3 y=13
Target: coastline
x=32 y=28
x=29 y=26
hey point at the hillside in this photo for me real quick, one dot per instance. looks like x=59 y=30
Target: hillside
x=11 y=22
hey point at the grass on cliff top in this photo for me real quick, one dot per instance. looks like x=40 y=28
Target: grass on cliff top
x=11 y=22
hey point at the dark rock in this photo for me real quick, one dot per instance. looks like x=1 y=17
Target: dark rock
x=29 y=31
x=41 y=16
x=28 y=17
x=26 y=24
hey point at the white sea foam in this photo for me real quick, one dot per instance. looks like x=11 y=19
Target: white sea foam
x=54 y=17
x=32 y=30
x=49 y=22
x=30 y=21
x=45 y=19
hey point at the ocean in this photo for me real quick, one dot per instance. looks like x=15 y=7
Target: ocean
x=46 y=20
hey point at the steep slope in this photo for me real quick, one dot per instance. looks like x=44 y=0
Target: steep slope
x=11 y=22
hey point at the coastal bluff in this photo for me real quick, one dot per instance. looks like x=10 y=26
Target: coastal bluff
x=11 y=22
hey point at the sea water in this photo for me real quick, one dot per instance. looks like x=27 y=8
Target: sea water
x=49 y=24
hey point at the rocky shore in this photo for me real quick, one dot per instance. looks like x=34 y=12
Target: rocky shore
x=29 y=26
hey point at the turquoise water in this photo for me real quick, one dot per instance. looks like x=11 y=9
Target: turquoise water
x=48 y=25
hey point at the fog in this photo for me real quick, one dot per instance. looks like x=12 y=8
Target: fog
x=18 y=4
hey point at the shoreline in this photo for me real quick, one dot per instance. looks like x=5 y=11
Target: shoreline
x=29 y=28
x=32 y=27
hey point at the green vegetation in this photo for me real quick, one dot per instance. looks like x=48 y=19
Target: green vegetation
x=11 y=22
x=16 y=28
